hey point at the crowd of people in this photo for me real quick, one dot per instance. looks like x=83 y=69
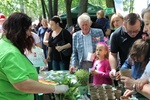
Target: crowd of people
x=128 y=48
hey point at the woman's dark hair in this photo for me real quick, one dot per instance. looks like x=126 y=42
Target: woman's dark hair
x=56 y=19
x=15 y=28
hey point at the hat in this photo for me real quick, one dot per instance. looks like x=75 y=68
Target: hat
x=2 y=16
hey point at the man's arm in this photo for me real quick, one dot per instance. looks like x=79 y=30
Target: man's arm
x=113 y=63
x=74 y=54
x=113 y=60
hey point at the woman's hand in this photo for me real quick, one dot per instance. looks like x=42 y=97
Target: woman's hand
x=128 y=93
x=61 y=88
x=59 y=48
x=128 y=82
x=48 y=58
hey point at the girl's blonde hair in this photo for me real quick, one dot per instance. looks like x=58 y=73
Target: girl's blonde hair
x=103 y=44
x=100 y=14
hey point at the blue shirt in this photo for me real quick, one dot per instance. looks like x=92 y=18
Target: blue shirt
x=136 y=67
x=87 y=45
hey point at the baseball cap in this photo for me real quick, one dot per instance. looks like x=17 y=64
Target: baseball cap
x=2 y=16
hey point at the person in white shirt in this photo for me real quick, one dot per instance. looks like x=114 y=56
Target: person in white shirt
x=36 y=40
x=36 y=55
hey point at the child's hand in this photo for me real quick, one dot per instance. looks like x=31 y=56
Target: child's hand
x=94 y=72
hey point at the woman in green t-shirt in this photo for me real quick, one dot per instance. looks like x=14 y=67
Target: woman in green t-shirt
x=18 y=77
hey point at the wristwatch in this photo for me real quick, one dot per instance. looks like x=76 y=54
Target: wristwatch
x=134 y=88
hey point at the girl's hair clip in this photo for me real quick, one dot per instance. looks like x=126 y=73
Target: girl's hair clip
x=103 y=43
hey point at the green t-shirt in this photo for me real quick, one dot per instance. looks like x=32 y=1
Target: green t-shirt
x=14 y=68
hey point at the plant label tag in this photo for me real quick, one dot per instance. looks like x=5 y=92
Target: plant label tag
x=90 y=57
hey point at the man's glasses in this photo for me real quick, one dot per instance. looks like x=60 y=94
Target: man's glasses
x=130 y=32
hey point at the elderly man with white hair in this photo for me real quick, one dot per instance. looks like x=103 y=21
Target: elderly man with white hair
x=84 y=43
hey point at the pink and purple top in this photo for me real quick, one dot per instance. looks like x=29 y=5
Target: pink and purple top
x=103 y=69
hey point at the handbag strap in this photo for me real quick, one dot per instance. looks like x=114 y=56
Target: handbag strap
x=62 y=33
x=63 y=40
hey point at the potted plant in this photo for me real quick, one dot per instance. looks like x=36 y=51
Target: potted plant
x=82 y=77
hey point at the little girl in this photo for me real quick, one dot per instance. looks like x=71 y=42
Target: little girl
x=101 y=66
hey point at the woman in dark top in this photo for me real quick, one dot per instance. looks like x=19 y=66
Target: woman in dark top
x=58 y=34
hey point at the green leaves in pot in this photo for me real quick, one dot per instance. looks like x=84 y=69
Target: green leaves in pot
x=82 y=76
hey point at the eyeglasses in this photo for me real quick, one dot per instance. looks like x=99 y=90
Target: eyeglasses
x=130 y=32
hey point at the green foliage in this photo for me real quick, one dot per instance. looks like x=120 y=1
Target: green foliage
x=101 y=3
x=8 y=6
x=128 y=5
x=31 y=7
x=34 y=9
x=72 y=92
x=82 y=76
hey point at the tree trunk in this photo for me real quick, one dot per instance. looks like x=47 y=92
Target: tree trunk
x=131 y=6
x=68 y=12
x=43 y=8
x=55 y=7
x=46 y=9
x=50 y=15
x=110 y=4
x=82 y=6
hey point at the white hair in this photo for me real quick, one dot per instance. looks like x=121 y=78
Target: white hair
x=83 y=17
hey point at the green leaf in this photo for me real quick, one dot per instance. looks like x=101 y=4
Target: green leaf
x=82 y=76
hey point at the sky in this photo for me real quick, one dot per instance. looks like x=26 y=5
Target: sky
x=139 y=5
